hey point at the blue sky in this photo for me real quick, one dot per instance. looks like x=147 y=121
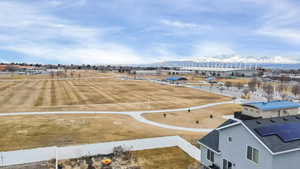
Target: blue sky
x=143 y=31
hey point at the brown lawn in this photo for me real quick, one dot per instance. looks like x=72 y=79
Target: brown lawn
x=23 y=132
x=188 y=119
x=164 y=158
x=102 y=94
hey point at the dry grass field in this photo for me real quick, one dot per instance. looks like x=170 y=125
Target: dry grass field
x=105 y=93
x=67 y=74
x=23 y=132
x=164 y=158
x=235 y=81
x=188 y=119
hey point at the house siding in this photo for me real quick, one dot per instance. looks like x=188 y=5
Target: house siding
x=205 y=161
x=236 y=150
x=287 y=160
x=254 y=112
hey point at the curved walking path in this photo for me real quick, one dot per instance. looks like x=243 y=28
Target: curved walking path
x=137 y=115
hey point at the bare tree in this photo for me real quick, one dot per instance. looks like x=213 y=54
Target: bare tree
x=52 y=74
x=284 y=78
x=246 y=92
x=282 y=88
x=211 y=85
x=282 y=91
x=284 y=96
x=296 y=89
x=239 y=85
x=259 y=83
x=228 y=84
x=252 y=85
x=11 y=68
x=269 y=89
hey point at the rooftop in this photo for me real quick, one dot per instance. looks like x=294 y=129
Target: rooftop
x=273 y=105
x=175 y=78
x=274 y=141
x=212 y=139
x=284 y=135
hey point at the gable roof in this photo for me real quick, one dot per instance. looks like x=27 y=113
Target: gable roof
x=273 y=105
x=211 y=140
x=228 y=123
x=274 y=142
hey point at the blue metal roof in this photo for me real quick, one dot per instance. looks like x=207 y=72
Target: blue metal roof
x=211 y=78
x=273 y=105
x=175 y=78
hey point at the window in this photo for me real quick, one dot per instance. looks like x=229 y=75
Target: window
x=227 y=164
x=210 y=156
x=252 y=154
x=230 y=139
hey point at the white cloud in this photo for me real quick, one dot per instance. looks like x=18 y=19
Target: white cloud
x=245 y=59
x=66 y=3
x=287 y=34
x=280 y=21
x=185 y=25
x=26 y=29
x=212 y=49
x=162 y=52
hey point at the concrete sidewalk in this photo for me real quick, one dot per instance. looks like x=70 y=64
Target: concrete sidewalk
x=48 y=153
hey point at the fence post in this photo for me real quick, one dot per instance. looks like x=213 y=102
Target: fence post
x=56 y=160
x=2 y=159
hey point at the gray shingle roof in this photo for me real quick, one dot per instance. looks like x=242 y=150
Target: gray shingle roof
x=228 y=122
x=211 y=140
x=273 y=142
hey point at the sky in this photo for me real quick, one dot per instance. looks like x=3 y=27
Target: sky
x=146 y=31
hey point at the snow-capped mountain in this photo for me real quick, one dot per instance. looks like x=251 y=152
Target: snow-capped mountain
x=243 y=59
x=234 y=61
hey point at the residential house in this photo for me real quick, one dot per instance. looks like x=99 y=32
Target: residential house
x=257 y=143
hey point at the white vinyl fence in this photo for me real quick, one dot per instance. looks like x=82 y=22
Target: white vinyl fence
x=48 y=153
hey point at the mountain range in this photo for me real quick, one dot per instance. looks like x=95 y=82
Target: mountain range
x=234 y=61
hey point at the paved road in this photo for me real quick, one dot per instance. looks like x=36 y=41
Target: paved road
x=137 y=115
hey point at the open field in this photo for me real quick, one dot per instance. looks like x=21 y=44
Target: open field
x=188 y=119
x=164 y=158
x=101 y=94
x=23 y=132
x=63 y=74
x=235 y=80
